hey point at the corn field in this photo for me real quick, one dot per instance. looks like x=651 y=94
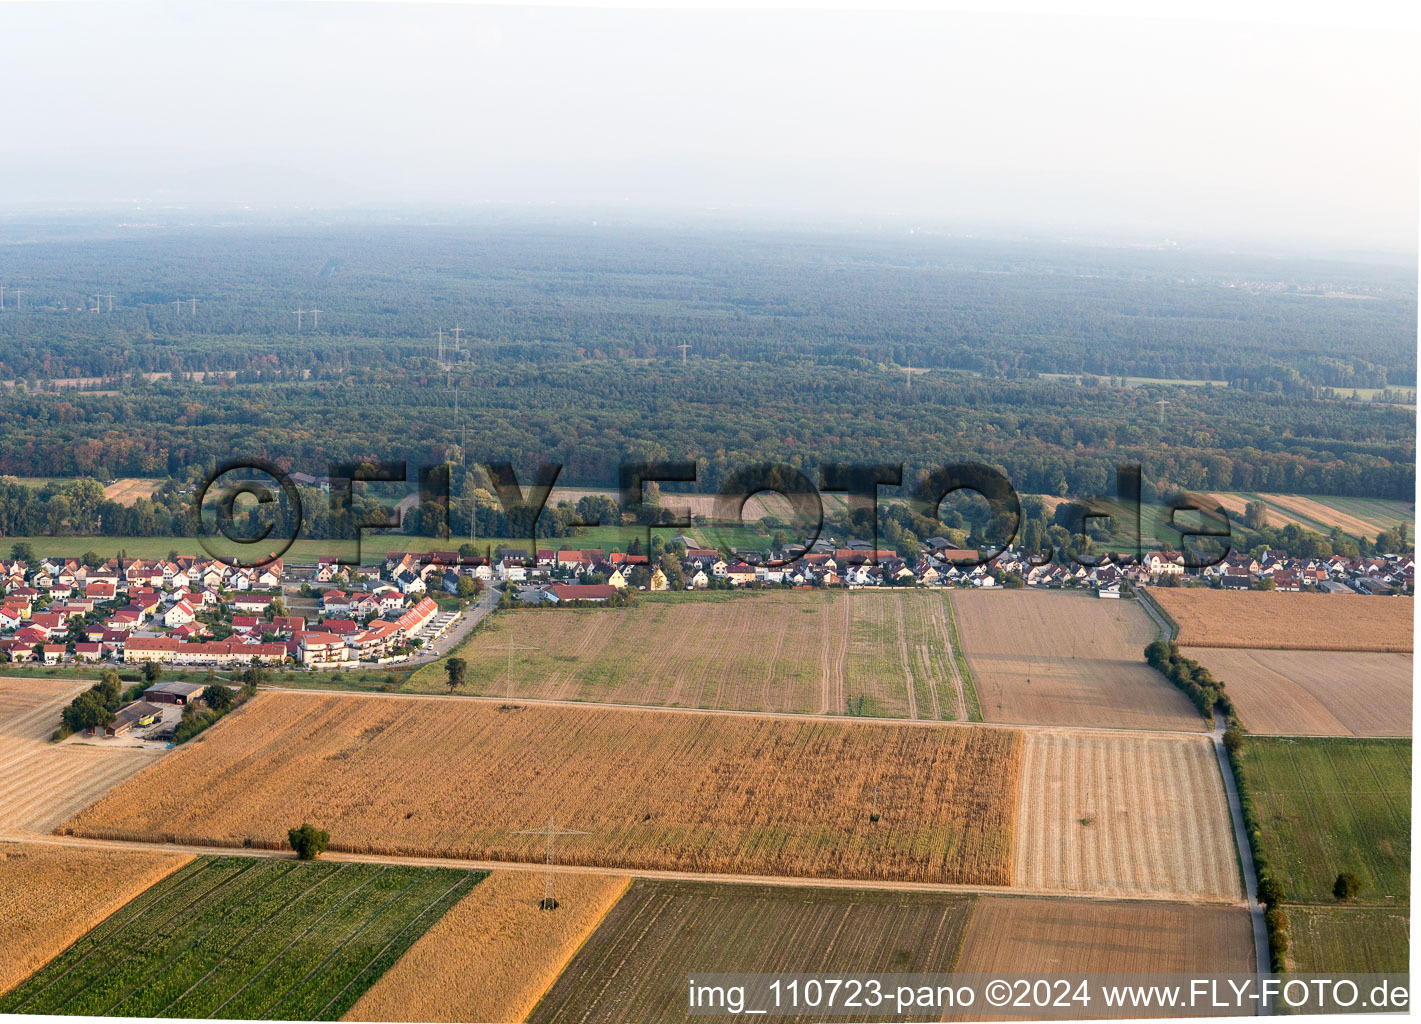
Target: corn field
x=655 y=790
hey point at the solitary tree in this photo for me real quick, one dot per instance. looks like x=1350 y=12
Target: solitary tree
x=1346 y=887
x=308 y=841
x=152 y=672
x=454 y=669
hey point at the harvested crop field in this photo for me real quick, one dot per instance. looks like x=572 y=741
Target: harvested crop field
x=1288 y=621
x=636 y=964
x=1028 y=935
x=1314 y=693
x=1022 y=936
x=1054 y=658
x=1327 y=805
x=1338 y=940
x=516 y=950
x=129 y=489
x=882 y=653
x=666 y=790
x=246 y=938
x=1116 y=814
x=55 y=894
x=42 y=783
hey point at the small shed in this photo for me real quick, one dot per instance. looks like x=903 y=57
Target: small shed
x=139 y=714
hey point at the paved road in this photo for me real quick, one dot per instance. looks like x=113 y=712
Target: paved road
x=1245 y=856
x=1149 y=608
x=456 y=633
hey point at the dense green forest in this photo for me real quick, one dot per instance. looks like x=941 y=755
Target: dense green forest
x=798 y=347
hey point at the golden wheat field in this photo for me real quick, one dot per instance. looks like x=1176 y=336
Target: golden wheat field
x=1116 y=814
x=54 y=894
x=1043 y=657
x=495 y=953
x=883 y=653
x=1274 y=619
x=738 y=794
x=1314 y=693
x=42 y=783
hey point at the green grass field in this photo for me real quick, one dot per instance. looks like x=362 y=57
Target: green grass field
x=1361 y=940
x=246 y=938
x=1327 y=805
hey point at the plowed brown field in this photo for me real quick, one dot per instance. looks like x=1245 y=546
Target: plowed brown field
x=1033 y=937
x=1116 y=814
x=54 y=894
x=1288 y=621
x=1315 y=693
x=42 y=783
x=655 y=790
x=1056 y=658
x=514 y=949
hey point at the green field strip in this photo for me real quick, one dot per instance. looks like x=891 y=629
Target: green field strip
x=969 y=688
x=255 y=960
x=204 y=953
x=110 y=989
x=248 y=938
x=253 y=1002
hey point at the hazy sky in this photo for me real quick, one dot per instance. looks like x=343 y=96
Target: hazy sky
x=1177 y=127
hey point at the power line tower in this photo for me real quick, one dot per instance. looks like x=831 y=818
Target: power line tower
x=194 y=305
x=1162 y=403
x=299 y=313
x=552 y=832
x=510 y=647
x=683 y=346
x=315 y=319
x=110 y=298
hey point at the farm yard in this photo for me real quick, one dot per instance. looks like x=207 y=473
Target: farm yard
x=1116 y=814
x=1332 y=805
x=1363 y=940
x=41 y=783
x=517 y=949
x=1314 y=693
x=661 y=790
x=877 y=654
x=1044 y=658
x=1274 y=620
x=55 y=894
x=249 y=938
x=634 y=967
